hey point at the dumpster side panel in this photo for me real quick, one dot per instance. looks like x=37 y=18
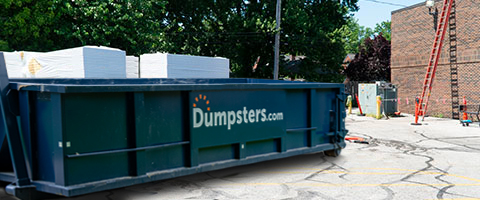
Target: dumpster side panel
x=262 y=147
x=325 y=114
x=314 y=110
x=44 y=140
x=327 y=98
x=161 y=122
x=217 y=153
x=229 y=119
x=296 y=114
x=95 y=122
x=5 y=158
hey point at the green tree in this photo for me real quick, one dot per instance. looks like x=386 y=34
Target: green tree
x=131 y=25
x=45 y=25
x=353 y=34
x=385 y=29
x=311 y=29
x=244 y=30
x=238 y=29
x=4 y=46
x=27 y=25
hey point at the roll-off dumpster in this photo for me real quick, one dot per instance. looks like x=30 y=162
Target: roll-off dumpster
x=77 y=136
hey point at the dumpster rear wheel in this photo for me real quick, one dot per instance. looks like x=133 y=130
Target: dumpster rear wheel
x=333 y=153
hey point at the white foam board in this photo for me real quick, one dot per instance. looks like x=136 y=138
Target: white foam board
x=164 y=65
x=132 y=66
x=13 y=62
x=153 y=65
x=81 y=62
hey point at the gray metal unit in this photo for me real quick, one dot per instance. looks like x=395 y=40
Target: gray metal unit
x=368 y=92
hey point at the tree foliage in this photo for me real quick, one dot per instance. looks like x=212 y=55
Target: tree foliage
x=45 y=25
x=384 y=28
x=372 y=63
x=244 y=30
x=27 y=25
x=132 y=25
x=239 y=30
x=354 y=35
x=311 y=29
x=231 y=29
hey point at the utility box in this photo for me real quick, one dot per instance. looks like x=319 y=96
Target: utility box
x=367 y=95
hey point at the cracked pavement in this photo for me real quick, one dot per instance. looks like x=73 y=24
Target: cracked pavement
x=437 y=160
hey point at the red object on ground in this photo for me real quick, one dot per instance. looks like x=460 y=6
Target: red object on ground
x=416 y=109
x=465 y=116
x=354 y=138
x=358 y=103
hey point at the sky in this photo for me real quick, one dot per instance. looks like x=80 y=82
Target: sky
x=375 y=11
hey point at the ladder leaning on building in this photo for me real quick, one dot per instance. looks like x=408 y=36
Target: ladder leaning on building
x=433 y=60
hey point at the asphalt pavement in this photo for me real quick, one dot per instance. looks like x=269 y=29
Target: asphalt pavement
x=437 y=160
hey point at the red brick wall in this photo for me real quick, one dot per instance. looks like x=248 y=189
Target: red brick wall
x=412 y=41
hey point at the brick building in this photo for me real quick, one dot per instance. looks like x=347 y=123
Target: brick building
x=412 y=40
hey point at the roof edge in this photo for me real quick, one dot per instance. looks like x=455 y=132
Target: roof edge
x=411 y=7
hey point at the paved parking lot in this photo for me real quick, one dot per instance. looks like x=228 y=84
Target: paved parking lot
x=438 y=160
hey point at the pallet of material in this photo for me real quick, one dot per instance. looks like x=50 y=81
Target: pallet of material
x=80 y=62
x=164 y=65
x=132 y=66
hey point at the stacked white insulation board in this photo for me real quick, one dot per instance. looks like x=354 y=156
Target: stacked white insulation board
x=164 y=65
x=132 y=66
x=14 y=62
x=81 y=62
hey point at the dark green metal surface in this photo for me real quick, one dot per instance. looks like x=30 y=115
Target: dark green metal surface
x=91 y=123
x=93 y=135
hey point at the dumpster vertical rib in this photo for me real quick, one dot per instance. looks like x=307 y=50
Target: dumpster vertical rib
x=311 y=107
x=192 y=150
x=9 y=129
x=59 y=151
x=131 y=134
x=2 y=133
x=241 y=150
x=139 y=127
x=25 y=122
x=131 y=126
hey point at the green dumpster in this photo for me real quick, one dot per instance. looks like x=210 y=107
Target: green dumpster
x=80 y=136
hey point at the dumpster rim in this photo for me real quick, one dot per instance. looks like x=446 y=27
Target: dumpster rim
x=71 y=88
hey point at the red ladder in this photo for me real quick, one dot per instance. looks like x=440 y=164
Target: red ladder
x=434 y=56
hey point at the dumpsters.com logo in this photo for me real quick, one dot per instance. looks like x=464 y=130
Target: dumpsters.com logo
x=210 y=118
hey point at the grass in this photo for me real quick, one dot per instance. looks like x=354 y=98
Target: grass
x=374 y=116
x=438 y=115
